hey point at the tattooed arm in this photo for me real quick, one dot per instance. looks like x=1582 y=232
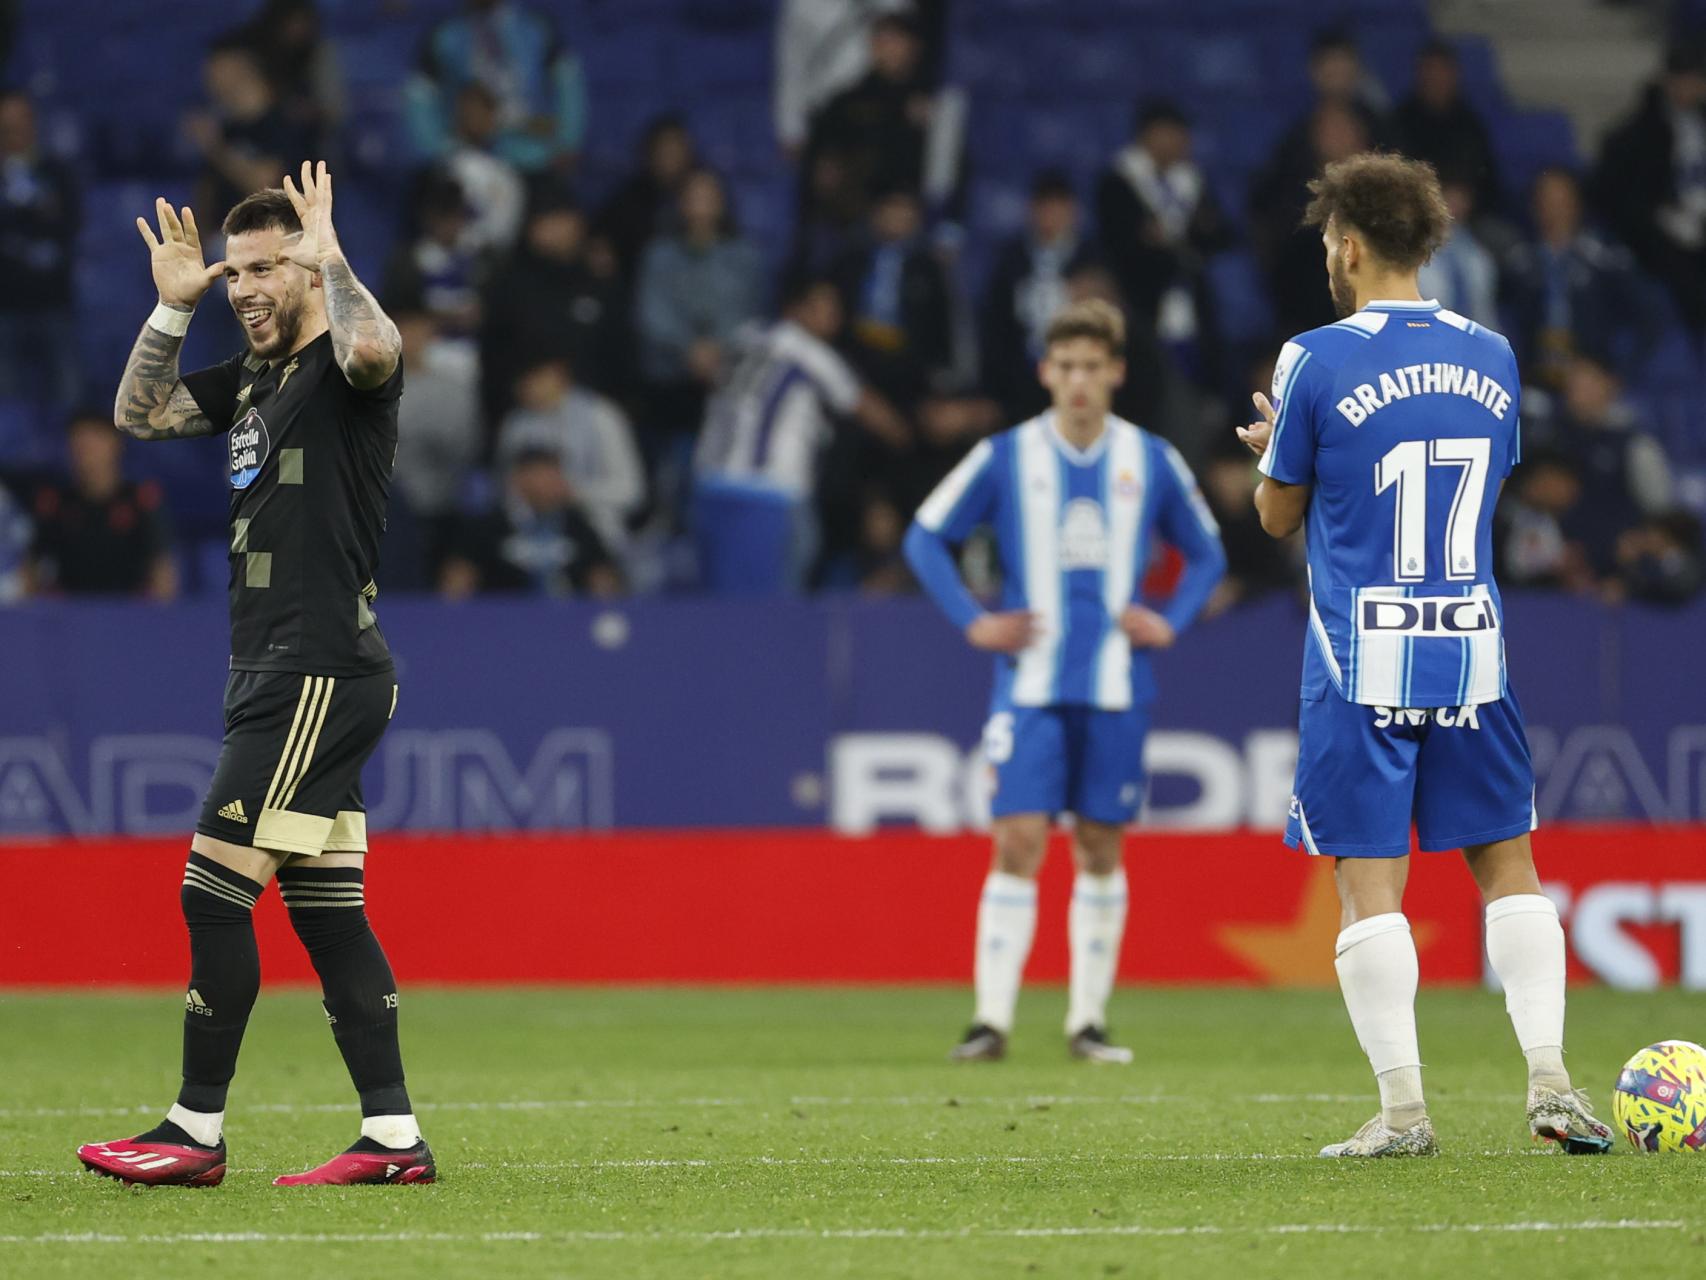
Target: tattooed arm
x=152 y=403
x=364 y=339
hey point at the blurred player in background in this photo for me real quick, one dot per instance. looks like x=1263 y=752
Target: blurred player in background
x=1075 y=497
x=310 y=410
x=1388 y=438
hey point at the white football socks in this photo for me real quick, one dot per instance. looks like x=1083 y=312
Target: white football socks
x=1095 y=924
x=1006 y=922
x=1376 y=960
x=204 y=1126
x=1525 y=945
x=396 y=1132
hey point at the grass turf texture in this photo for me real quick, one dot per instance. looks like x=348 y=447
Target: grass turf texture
x=821 y=1133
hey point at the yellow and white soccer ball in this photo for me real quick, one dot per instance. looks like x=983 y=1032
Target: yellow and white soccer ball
x=1660 y=1099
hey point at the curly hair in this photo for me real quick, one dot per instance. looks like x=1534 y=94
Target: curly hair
x=1395 y=202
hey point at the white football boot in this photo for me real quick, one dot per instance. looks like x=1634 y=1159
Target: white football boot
x=1563 y=1117
x=1376 y=1139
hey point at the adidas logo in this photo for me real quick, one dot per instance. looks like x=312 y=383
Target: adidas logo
x=193 y=1003
x=233 y=812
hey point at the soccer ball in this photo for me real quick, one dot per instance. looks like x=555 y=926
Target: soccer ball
x=1660 y=1099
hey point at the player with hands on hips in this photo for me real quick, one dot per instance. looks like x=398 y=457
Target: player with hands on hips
x=1075 y=499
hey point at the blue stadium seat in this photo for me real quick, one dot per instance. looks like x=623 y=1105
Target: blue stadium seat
x=1528 y=141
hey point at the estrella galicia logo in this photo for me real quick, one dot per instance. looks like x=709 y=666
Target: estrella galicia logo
x=249 y=446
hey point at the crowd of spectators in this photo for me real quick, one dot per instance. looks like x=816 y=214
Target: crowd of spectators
x=629 y=394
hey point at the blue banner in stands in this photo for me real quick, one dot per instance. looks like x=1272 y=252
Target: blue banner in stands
x=848 y=713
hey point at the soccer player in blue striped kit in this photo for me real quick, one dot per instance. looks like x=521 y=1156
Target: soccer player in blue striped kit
x=1075 y=498
x=1388 y=439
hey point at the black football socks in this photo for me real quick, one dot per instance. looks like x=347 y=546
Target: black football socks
x=328 y=912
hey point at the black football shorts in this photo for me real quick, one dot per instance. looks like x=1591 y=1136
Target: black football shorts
x=289 y=772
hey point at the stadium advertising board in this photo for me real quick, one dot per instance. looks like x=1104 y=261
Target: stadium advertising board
x=811 y=906
x=848 y=714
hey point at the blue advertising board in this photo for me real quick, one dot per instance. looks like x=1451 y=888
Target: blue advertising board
x=524 y=715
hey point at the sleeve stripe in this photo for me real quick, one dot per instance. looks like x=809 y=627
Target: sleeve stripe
x=1192 y=492
x=939 y=507
x=1286 y=401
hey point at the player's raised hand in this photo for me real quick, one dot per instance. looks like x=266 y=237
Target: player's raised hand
x=1145 y=628
x=1256 y=435
x=1007 y=632
x=312 y=201
x=180 y=276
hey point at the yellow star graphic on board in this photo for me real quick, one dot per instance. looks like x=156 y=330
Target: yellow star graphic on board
x=1299 y=952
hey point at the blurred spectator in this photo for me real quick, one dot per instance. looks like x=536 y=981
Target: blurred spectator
x=1463 y=274
x=648 y=197
x=888 y=132
x=1651 y=182
x=491 y=186
x=1659 y=561
x=1026 y=288
x=439 y=271
x=538 y=542
x=246 y=138
x=882 y=569
x=515 y=52
x=1437 y=124
x=301 y=62
x=1625 y=474
x=1159 y=223
x=39 y=215
x=1568 y=288
x=98 y=533
x=697 y=286
x=1336 y=75
x=1255 y=562
x=1293 y=256
x=16 y=535
x=899 y=302
x=438 y=428
x=551 y=297
x=1530 y=542
x=756 y=465
x=588 y=434
x=822 y=48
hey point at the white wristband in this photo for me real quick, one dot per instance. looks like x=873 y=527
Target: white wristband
x=170 y=321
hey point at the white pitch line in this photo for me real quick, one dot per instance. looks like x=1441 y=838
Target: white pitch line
x=832 y=1233
x=638 y=1104
x=759 y=1162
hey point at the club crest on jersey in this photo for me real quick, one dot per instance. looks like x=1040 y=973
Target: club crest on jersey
x=1083 y=535
x=1126 y=485
x=249 y=445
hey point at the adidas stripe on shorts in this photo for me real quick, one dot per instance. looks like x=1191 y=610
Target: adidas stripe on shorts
x=289 y=772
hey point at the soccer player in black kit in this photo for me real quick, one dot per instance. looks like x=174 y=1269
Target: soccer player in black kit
x=310 y=410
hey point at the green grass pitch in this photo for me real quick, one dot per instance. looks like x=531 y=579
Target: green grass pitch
x=806 y=1133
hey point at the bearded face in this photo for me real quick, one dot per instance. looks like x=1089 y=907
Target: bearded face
x=1339 y=278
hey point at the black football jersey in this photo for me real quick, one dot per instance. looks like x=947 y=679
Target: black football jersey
x=310 y=476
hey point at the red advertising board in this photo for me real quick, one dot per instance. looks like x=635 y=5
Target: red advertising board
x=809 y=906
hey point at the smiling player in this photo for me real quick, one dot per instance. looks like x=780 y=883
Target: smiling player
x=1075 y=497
x=311 y=415
x=1388 y=438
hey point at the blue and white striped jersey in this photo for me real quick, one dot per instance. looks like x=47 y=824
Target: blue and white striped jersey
x=767 y=423
x=1403 y=419
x=1074 y=529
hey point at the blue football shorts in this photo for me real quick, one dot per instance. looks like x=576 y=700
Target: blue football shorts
x=1067 y=759
x=1462 y=775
